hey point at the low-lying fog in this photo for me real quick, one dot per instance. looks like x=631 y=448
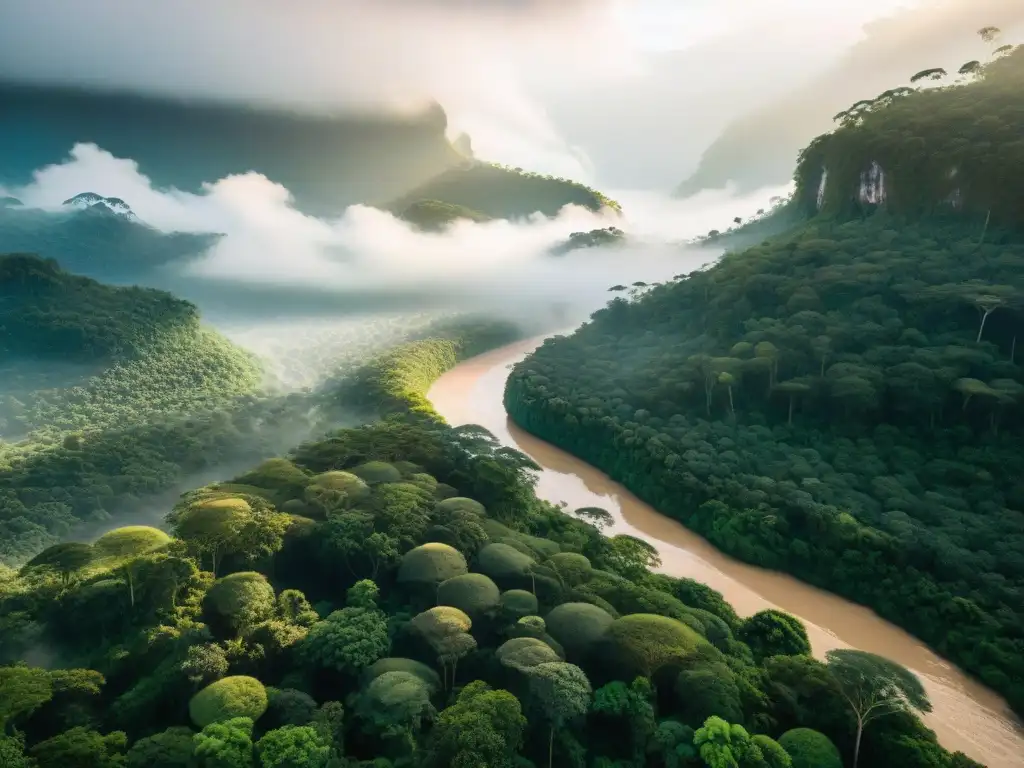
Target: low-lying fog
x=278 y=262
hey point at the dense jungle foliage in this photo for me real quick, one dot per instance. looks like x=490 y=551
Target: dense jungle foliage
x=843 y=402
x=959 y=146
x=47 y=312
x=396 y=595
x=95 y=242
x=99 y=387
x=155 y=402
x=502 y=192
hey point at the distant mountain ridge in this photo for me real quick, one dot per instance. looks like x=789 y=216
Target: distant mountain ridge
x=326 y=162
x=91 y=201
x=96 y=236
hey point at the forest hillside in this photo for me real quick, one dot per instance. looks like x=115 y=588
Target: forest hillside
x=434 y=215
x=96 y=386
x=926 y=151
x=395 y=595
x=500 y=192
x=844 y=401
x=111 y=397
x=47 y=312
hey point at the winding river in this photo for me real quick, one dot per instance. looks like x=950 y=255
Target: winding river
x=966 y=716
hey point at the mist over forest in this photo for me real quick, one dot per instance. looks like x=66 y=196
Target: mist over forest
x=761 y=265
x=248 y=242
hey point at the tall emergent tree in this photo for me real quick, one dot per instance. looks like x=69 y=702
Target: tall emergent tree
x=65 y=559
x=563 y=692
x=874 y=687
x=984 y=297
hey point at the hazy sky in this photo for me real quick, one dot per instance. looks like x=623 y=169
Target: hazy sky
x=569 y=86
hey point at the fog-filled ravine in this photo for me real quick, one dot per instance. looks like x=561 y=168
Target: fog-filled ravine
x=967 y=716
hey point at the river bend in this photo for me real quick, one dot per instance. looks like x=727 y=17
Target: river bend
x=966 y=715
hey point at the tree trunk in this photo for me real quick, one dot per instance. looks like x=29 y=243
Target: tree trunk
x=856 y=744
x=131 y=585
x=732 y=408
x=551 y=747
x=791 y=399
x=984 y=230
x=981 y=328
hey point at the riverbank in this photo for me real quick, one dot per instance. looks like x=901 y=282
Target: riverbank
x=967 y=716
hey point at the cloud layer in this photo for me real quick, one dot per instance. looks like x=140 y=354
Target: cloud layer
x=497 y=265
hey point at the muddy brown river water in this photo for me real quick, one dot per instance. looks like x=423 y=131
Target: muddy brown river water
x=967 y=716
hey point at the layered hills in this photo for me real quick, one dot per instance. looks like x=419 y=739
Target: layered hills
x=111 y=397
x=106 y=394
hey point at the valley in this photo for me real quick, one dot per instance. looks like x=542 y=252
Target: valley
x=296 y=470
x=967 y=716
